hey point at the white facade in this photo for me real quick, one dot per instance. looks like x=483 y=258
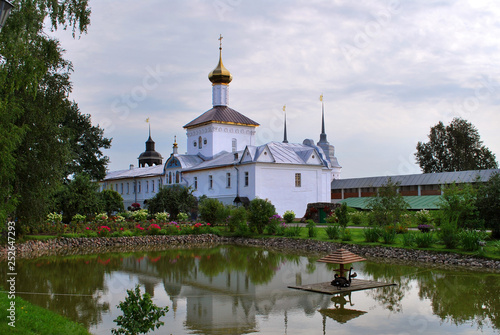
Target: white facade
x=211 y=139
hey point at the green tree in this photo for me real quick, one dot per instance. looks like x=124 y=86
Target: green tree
x=488 y=204
x=388 y=205
x=111 y=201
x=259 y=212
x=212 y=210
x=458 y=206
x=172 y=199
x=341 y=214
x=34 y=86
x=84 y=142
x=78 y=196
x=456 y=147
x=140 y=314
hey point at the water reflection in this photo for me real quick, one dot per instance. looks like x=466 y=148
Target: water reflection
x=240 y=290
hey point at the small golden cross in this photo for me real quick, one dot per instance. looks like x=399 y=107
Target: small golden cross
x=220 y=41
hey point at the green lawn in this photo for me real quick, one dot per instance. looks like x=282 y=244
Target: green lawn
x=31 y=319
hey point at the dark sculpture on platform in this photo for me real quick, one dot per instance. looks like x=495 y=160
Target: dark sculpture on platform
x=340 y=281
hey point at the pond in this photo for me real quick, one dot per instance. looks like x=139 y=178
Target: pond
x=241 y=290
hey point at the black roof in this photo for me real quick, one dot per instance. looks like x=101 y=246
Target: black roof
x=221 y=114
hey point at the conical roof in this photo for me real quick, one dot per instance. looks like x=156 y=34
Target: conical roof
x=341 y=256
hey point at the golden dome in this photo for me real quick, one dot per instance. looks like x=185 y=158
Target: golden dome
x=220 y=75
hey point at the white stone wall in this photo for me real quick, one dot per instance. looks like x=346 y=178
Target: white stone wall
x=277 y=183
x=219 y=137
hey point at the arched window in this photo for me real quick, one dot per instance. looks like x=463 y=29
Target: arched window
x=199 y=142
x=177 y=177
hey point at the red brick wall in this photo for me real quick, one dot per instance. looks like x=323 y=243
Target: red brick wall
x=430 y=192
x=336 y=195
x=408 y=193
x=351 y=195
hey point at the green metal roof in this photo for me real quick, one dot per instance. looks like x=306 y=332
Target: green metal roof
x=415 y=202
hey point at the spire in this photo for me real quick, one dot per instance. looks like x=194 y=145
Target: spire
x=174 y=147
x=322 y=136
x=285 y=140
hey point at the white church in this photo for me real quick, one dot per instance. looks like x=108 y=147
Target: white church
x=224 y=162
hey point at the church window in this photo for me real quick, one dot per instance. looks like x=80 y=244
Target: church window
x=210 y=182
x=128 y=188
x=147 y=186
x=199 y=143
x=298 y=180
x=234 y=144
x=246 y=178
x=153 y=186
x=228 y=180
x=116 y=187
x=135 y=187
x=205 y=141
x=169 y=178
x=195 y=183
x=194 y=144
x=177 y=177
x=121 y=188
x=139 y=190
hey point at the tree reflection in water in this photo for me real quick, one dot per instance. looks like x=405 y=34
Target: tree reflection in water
x=244 y=280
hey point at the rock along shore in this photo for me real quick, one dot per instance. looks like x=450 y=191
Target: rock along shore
x=77 y=246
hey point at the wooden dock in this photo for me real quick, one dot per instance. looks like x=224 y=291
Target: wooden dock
x=327 y=288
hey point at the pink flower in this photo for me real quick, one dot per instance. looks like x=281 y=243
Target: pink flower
x=87 y=228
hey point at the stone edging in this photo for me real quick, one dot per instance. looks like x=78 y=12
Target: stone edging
x=74 y=246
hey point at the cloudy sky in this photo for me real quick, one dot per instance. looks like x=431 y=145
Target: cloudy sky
x=388 y=70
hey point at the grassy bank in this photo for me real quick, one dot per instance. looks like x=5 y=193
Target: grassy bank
x=32 y=319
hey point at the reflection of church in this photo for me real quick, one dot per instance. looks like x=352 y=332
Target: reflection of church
x=223 y=161
x=230 y=302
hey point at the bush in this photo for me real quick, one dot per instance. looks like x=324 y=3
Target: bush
x=408 y=239
x=423 y=217
x=331 y=218
x=140 y=215
x=182 y=217
x=469 y=239
x=275 y=222
x=212 y=210
x=140 y=314
x=289 y=216
x=372 y=234
x=162 y=216
x=104 y=231
x=312 y=231
x=154 y=229
x=333 y=231
x=357 y=218
x=424 y=240
x=173 y=199
x=388 y=235
x=293 y=231
x=259 y=212
x=448 y=234
x=341 y=214
x=488 y=204
x=346 y=235
x=237 y=218
x=111 y=201
x=127 y=233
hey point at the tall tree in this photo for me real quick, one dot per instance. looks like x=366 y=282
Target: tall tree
x=456 y=147
x=40 y=129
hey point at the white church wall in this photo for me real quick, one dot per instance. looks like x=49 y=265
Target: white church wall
x=277 y=183
x=218 y=137
x=134 y=189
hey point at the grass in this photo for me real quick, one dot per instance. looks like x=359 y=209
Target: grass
x=32 y=319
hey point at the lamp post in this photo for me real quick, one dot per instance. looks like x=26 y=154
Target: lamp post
x=5 y=8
